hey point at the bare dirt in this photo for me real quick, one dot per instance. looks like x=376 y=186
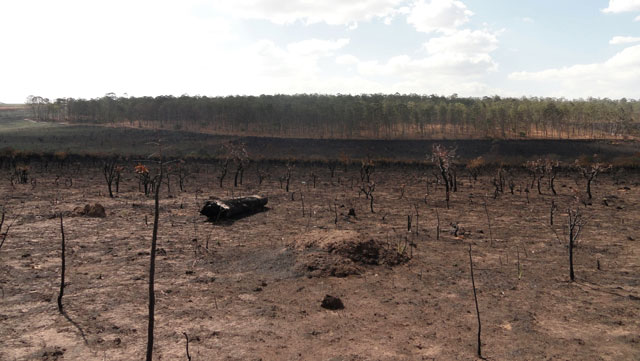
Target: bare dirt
x=252 y=289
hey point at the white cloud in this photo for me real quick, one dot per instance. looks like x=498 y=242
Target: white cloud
x=471 y=42
x=298 y=60
x=347 y=60
x=622 y=6
x=438 y=15
x=457 y=62
x=316 y=46
x=527 y=19
x=266 y=68
x=637 y=18
x=624 y=40
x=616 y=77
x=452 y=65
x=332 y=12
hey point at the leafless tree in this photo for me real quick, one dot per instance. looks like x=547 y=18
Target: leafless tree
x=537 y=170
x=223 y=171
x=144 y=178
x=512 y=185
x=152 y=258
x=261 y=173
x=590 y=172
x=368 y=190
x=366 y=170
x=496 y=187
x=21 y=174
x=182 y=171
x=287 y=176
x=443 y=158
x=235 y=152
x=240 y=156
x=110 y=171
x=332 y=168
x=576 y=222
x=475 y=166
x=551 y=169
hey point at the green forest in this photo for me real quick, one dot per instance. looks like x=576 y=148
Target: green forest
x=374 y=116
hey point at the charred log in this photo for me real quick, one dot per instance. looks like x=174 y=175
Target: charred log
x=217 y=209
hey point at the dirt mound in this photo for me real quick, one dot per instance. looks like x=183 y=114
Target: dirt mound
x=341 y=253
x=90 y=210
x=322 y=264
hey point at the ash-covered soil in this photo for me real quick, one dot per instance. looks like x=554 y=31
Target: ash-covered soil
x=252 y=289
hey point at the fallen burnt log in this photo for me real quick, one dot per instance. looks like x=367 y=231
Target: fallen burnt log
x=233 y=208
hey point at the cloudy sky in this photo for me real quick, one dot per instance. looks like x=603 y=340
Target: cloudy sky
x=558 y=48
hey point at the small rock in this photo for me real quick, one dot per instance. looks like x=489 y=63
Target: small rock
x=332 y=303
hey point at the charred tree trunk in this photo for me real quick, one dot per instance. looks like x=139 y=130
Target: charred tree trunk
x=152 y=269
x=572 y=275
x=237 y=177
x=589 y=181
x=223 y=173
x=118 y=182
x=446 y=185
x=475 y=298
x=539 y=189
x=63 y=266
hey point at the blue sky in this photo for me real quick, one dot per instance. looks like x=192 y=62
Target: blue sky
x=561 y=48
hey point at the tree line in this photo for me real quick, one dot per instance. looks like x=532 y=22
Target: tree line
x=379 y=116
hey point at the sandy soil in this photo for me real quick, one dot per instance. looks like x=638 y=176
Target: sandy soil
x=252 y=289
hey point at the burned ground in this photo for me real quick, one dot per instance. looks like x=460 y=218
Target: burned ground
x=252 y=289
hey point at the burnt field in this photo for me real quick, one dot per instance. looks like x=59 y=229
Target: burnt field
x=251 y=288
x=37 y=137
